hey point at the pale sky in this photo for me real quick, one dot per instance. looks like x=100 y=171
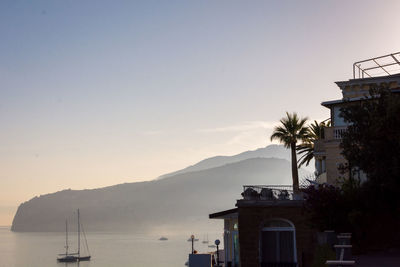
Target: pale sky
x=95 y=93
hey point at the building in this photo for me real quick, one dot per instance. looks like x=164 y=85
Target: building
x=327 y=152
x=267 y=228
x=231 y=235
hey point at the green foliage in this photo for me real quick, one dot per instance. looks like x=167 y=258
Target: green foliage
x=326 y=207
x=292 y=129
x=322 y=254
x=370 y=210
x=372 y=143
x=306 y=148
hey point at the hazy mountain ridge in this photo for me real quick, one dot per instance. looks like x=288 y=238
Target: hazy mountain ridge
x=140 y=206
x=271 y=151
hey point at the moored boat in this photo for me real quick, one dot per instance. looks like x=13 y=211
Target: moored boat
x=205 y=241
x=67 y=257
x=80 y=227
x=84 y=258
x=74 y=257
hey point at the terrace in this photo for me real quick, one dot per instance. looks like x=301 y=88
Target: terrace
x=377 y=66
x=270 y=195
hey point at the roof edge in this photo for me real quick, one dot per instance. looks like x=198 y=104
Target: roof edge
x=219 y=215
x=368 y=79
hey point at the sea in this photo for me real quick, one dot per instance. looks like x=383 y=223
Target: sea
x=106 y=248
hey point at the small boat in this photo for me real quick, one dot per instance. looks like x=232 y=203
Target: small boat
x=80 y=226
x=190 y=240
x=212 y=246
x=205 y=241
x=73 y=257
x=163 y=238
x=84 y=258
x=67 y=257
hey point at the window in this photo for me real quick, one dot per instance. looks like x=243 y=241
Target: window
x=337 y=119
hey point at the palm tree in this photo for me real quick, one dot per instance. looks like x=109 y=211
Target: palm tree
x=306 y=149
x=292 y=130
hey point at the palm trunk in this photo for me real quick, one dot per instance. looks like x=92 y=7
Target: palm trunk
x=295 y=172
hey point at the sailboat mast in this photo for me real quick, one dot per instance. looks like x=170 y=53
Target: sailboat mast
x=66 y=237
x=79 y=236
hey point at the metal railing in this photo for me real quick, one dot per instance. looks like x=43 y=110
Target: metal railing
x=377 y=66
x=268 y=192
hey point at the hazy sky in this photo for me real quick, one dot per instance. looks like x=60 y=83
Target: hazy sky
x=95 y=93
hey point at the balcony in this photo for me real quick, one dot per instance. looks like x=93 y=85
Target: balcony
x=334 y=133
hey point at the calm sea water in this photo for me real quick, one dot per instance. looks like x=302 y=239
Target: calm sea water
x=107 y=249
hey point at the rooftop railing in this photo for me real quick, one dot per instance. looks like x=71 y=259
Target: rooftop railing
x=377 y=66
x=270 y=192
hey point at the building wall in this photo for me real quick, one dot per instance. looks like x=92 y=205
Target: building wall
x=327 y=153
x=354 y=89
x=328 y=148
x=334 y=159
x=251 y=220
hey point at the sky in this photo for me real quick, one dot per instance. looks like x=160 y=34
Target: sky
x=96 y=93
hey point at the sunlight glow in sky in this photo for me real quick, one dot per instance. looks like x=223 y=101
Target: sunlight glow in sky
x=95 y=93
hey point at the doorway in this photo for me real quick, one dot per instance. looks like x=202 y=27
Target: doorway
x=278 y=244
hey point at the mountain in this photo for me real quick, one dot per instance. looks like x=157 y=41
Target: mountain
x=271 y=151
x=179 y=199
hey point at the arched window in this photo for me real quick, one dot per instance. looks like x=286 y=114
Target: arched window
x=278 y=244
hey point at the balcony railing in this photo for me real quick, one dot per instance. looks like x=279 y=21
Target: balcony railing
x=335 y=133
x=270 y=192
x=338 y=132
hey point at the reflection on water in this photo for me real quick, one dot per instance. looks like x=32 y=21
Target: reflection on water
x=108 y=249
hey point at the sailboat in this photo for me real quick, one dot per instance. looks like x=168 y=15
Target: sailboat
x=67 y=257
x=87 y=257
x=205 y=241
x=73 y=257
